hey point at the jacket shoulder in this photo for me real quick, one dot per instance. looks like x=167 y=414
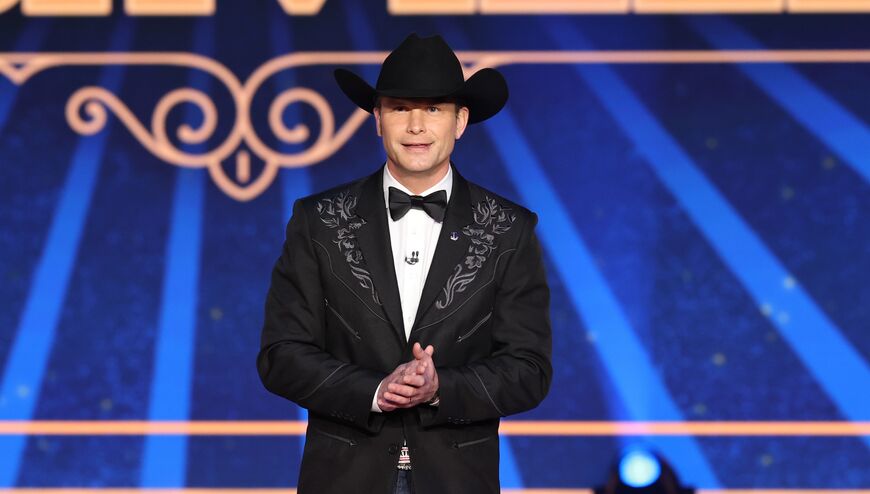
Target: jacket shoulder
x=483 y=197
x=324 y=207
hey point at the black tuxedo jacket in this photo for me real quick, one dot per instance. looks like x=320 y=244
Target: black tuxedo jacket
x=334 y=329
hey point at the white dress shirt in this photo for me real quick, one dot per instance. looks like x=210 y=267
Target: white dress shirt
x=415 y=232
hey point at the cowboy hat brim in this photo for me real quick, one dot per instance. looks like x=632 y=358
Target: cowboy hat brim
x=484 y=93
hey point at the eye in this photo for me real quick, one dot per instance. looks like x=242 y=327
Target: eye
x=400 y=108
x=434 y=109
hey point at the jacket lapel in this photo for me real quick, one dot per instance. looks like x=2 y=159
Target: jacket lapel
x=374 y=241
x=448 y=252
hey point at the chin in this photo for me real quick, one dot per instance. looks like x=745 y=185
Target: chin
x=418 y=167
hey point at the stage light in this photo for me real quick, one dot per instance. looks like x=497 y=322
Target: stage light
x=639 y=468
x=642 y=471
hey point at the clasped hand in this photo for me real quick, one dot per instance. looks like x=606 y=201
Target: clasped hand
x=412 y=383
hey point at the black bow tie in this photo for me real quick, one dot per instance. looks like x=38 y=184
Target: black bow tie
x=435 y=204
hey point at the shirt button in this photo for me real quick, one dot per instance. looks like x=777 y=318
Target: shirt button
x=392 y=449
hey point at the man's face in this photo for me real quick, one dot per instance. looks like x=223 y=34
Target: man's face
x=419 y=133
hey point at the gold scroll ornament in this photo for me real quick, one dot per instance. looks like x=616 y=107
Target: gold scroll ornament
x=87 y=112
x=87 y=108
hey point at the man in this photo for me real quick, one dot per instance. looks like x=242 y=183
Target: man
x=409 y=310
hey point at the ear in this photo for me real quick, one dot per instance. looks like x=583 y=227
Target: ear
x=377 y=113
x=461 y=120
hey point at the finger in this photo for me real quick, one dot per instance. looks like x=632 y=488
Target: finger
x=418 y=351
x=425 y=357
x=429 y=375
x=397 y=399
x=385 y=397
x=401 y=389
x=414 y=372
x=415 y=381
x=386 y=407
x=430 y=350
x=410 y=368
x=424 y=361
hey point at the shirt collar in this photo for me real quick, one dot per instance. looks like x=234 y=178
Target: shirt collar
x=445 y=183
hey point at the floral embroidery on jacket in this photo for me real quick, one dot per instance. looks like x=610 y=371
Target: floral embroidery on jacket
x=490 y=219
x=339 y=212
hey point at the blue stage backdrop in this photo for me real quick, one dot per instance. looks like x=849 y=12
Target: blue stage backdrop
x=701 y=183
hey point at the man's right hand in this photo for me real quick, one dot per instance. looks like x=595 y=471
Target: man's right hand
x=411 y=383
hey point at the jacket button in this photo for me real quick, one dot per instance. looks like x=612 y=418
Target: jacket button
x=393 y=449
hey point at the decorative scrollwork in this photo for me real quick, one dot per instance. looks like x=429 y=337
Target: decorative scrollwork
x=95 y=101
x=339 y=213
x=490 y=220
x=88 y=108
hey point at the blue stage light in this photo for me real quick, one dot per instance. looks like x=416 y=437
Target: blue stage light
x=639 y=469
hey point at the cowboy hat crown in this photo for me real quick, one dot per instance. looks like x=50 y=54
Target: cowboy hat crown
x=428 y=68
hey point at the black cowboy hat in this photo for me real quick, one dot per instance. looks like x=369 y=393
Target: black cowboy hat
x=428 y=68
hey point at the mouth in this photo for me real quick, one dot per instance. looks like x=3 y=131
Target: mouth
x=417 y=147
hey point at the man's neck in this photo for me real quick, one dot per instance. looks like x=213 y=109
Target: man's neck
x=419 y=182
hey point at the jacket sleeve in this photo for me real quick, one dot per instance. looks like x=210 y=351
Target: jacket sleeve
x=517 y=375
x=292 y=361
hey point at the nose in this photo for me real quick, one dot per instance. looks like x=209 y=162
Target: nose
x=415 y=121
